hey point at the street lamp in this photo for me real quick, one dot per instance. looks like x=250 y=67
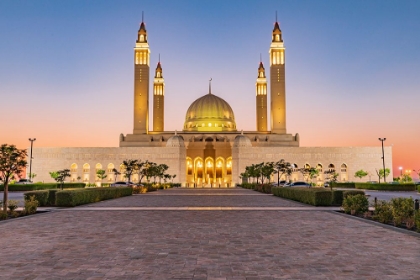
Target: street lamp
x=400 y=168
x=30 y=160
x=383 y=156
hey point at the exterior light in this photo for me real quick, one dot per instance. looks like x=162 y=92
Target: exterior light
x=30 y=159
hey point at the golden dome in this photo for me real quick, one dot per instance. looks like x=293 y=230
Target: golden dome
x=209 y=113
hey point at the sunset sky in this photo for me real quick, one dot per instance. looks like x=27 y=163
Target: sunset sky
x=352 y=68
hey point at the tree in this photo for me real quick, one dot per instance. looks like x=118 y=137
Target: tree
x=160 y=171
x=100 y=173
x=138 y=169
x=384 y=174
x=61 y=176
x=12 y=162
x=283 y=168
x=379 y=175
x=309 y=173
x=406 y=178
x=332 y=177
x=173 y=177
x=267 y=169
x=116 y=173
x=32 y=176
x=129 y=166
x=360 y=174
x=54 y=174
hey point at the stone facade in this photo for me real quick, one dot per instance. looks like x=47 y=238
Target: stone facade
x=87 y=160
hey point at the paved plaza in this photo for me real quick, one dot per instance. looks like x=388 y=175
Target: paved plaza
x=136 y=238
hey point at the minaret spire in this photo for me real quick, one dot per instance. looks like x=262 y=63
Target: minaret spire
x=210 y=85
x=141 y=81
x=261 y=98
x=277 y=81
x=158 y=99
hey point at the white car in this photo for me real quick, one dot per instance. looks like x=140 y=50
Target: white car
x=24 y=182
x=298 y=184
x=123 y=184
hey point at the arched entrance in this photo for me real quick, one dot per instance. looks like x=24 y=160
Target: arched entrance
x=209 y=172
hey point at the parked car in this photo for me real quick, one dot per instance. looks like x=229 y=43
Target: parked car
x=123 y=184
x=282 y=183
x=24 y=182
x=298 y=184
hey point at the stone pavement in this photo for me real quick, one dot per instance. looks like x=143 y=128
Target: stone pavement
x=132 y=244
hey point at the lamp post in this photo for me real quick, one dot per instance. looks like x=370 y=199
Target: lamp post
x=30 y=160
x=400 y=168
x=383 y=156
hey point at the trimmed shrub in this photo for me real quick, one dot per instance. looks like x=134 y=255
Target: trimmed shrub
x=352 y=192
x=386 y=187
x=337 y=197
x=417 y=220
x=40 y=196
x=418 y=188
x=347 y=185
x=31 y=206
x=51 y=197
x=264 y=188
x=383 y=212
x=312 y=196
x=355 y=204
x=402 y=210
x=41 y=186
x=71 y=198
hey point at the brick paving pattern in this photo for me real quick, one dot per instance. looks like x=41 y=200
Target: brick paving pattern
x=203 y=244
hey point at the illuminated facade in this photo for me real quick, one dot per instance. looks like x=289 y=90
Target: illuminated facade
x=209 y=151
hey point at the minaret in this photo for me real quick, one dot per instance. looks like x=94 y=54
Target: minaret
x=277 y=82
x=141 y=82
x=158 y=99
x=261 y=101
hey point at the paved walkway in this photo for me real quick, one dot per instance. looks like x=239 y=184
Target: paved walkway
x=135 y=244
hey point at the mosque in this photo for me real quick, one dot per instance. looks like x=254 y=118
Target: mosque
x=209 y=150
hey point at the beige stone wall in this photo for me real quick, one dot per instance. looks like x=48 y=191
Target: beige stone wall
x=356 y=158
x=52 y=159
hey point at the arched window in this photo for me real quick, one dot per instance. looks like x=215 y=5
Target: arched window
x=73 y=168
x=331 y=167
x=319 y=167
x=86 y=168
x=98 y=167
x=307 y=166
x=343 y=168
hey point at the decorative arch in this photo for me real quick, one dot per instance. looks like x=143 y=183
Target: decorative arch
x=86 y=168
x=73 y=172
x=86 y=171
x=307 y=165
x=343 y=172
x=190 y=166
x=98 y=166
x=331 y=167
x=109 y=171
x=229 y=166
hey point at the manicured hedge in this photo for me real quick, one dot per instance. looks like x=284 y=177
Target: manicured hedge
x=418 y=189
x=41 y=186
x=348 y=185
x=386 y=187
x=51 y=197
x=70 y=198
x=41 y=196
x=337 y=197
x=312 y=196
